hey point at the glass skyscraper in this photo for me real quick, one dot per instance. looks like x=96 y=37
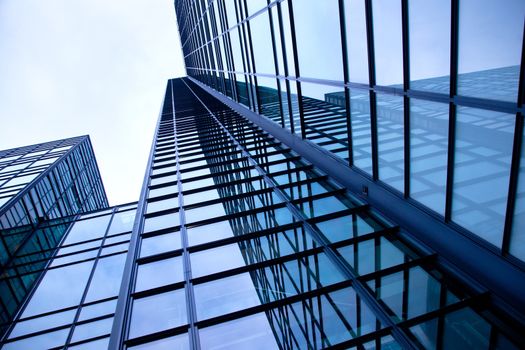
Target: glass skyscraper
x=331 y=174
x=41 y=186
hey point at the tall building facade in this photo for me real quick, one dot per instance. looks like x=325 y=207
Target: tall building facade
x=41 y=186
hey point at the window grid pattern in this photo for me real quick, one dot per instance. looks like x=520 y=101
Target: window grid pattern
x=74 y=300
x=409 y=105
x=33 y=222
x=246 y=243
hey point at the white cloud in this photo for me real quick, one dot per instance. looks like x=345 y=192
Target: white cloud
x=74 y=67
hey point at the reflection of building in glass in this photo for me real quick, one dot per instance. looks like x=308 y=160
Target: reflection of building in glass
x=42 y=186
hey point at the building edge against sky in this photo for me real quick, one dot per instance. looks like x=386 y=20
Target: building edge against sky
x=41 y=187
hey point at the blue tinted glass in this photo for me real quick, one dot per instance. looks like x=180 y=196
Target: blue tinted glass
x=428 y=153
x=160 y=244
x=388 y=43
x=356 y=41
x=158 y=312
x=159 y=273
x=122 y=222
x=223 y=258
x=92 y=329
x=161 y=222
x=107 y=277
x=490 y=39
x=361 y=129
x=390 y=139
x=44 y=341
x=312 y=44
x=517 y=238
x=225 y=295
x=179 y=342
x=429 y=36
x=88 y=229
x=209 y=233
x=92 y=345
x=252 y=332
x=481 y=171
x=59 y=288
x=41 y=323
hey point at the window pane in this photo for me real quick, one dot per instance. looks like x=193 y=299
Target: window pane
x=92 y=329
x=312 y=44
x=161 y=222
x=429 y=23
x=209 y=233
x=388 y=42
x=428 y=153
x=60 y=288
x=225 y=296
x=178 y=342
x=252 y=332
x=157 y=313
x=122 y=222
x=107 y=277
x=481 y=171
x=223 y=258
x=361 y=129
x=356 y=41
x=41 y=323
x=517 y=238
x=159 y=273
x=390 y=139
x=88 y=229
x=160 y=244
x=490 y=40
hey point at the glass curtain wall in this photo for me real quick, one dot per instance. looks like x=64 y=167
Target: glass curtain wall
x=243 y=244
x=418 y=95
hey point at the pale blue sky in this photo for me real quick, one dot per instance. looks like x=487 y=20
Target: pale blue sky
x=97 y=67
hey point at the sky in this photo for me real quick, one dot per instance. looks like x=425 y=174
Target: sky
x=96 y=67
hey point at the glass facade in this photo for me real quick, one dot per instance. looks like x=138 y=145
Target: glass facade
x=241 y=243
x=243 y=240
x=42 y=187
x=74 y=300
x=416 y=95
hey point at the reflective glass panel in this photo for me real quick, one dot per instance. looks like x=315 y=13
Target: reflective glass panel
x=159 y=273
x=160 y=244
x=158 y=312
x=490 y=38
x=428 y=153
x=481 y=171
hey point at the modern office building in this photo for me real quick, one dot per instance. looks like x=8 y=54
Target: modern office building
x=331 y=174
x=41 y=186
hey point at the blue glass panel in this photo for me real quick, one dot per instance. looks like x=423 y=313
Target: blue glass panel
x=490 y=39
x=481 y=171
x=390 y=140
x=107 y=277
x=428 y=153
x=429 y=36
x=252 y=332
x=312 y=44
x=158 y=312
x=60 y=288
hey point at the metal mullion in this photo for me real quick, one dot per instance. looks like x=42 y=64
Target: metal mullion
x=406 y=101
x=275 y=61
x=191 y=308
x=372 y=82
x=297 y=72
x=452 y=107
x=346 y=72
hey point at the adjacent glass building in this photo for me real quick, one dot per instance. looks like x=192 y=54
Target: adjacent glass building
x=41 y=187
